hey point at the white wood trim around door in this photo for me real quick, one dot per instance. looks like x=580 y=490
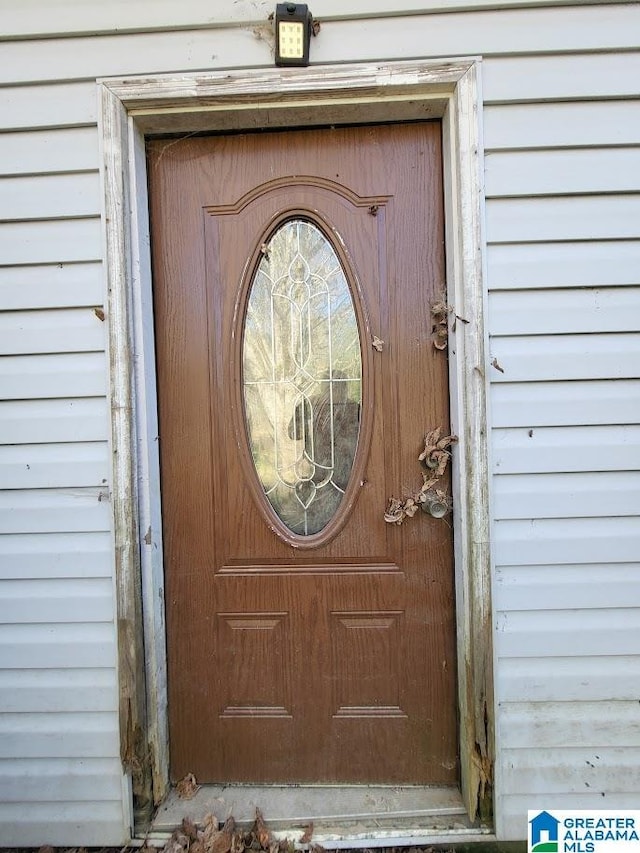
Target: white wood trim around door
x=188 y=103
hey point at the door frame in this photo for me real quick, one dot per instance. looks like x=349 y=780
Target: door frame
x=130 y=109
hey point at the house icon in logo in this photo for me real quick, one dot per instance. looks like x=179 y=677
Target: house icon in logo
x=544 y=833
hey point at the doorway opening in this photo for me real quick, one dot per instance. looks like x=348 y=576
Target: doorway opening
x=400 y=92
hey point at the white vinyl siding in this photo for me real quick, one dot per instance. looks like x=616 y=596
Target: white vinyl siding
x=50 y=285
x=60 y=775
x=59 y=151
x=563 y=222
x=37 y=18
x=561 y=126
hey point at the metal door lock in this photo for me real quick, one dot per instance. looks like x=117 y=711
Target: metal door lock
x=432 y=501
x=435 y=504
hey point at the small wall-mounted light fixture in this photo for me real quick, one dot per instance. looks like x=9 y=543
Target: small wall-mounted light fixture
x=294 y=24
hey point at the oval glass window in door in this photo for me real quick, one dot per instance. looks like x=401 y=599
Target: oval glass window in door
x=302 y=372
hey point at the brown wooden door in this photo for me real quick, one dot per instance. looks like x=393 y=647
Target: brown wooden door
x=325 y=653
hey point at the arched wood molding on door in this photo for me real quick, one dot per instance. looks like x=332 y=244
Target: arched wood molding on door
x=188 y=103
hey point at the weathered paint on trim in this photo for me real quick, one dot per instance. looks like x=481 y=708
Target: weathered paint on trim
x=402 y=90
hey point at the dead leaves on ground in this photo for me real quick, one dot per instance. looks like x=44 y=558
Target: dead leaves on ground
x=434 y=458
x=188 y=787
x=210 y=838
x=308 y=832
x=188 y=838
x=260 y=832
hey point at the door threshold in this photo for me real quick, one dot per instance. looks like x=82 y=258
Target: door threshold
x=342 y=816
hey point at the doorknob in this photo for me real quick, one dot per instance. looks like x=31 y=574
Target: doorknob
x=432 y=501
x=435 y=504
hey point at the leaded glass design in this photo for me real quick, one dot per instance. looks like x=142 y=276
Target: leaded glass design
x=302 y=370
